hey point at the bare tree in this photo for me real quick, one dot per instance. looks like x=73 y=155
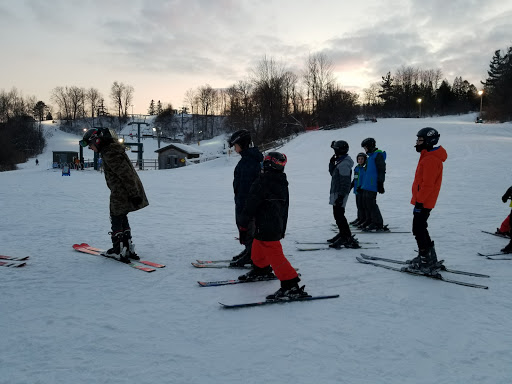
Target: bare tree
x=371 y=94
x=127 y=98
x=76 y=98
x=93 y=97
x=318 y=78
x=60 y=97
x=121 y=96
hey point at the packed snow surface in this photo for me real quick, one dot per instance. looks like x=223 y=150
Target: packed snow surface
x=75 y=318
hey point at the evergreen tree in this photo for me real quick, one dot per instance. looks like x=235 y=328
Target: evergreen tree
x=151 y=109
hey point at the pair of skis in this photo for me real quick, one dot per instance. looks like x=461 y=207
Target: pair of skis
x=10 y=264
x=141 y=265
x=367 y=259
x=222 y=264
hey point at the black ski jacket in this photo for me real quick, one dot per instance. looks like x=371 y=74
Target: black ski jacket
x=246 y=171
x=268 y=202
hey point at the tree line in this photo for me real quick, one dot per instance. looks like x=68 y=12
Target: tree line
x=272 y=102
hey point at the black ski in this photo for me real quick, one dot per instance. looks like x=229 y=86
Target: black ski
x=443 y=268
x=437 y=276
x=327 y=243
x=218 y=265
x=10 y=264
x=324 y=248
x=214 y=261
x=493 y=254
x=498 y=258
x=232 y=282
x=267 y=302
x=497 y=234
x=3 y=257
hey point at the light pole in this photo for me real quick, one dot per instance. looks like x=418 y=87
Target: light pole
x=481 y=93
x=157 y=131
x=419 y=105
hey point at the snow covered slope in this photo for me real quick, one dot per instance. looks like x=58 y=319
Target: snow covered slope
x=76 y=318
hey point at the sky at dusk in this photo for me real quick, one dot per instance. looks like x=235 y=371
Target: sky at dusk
x=164 y=48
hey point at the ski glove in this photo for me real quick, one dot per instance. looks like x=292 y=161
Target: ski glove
x=380 y=186
x=136 y=200
x=242 y=235
x=507 y=195
x=417 y=207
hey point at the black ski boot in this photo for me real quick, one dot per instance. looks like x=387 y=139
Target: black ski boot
x=257 y=273
x=289 y=290
x=364 y=224
x=118 y=250
x=235 y=258
x=352 y=242
x=127 y=240
x=426 y=261
x=355 y=222
x=335 y=238
x=243 y=260
x=508 y=248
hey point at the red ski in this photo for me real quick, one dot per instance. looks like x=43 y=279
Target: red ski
x=86 y=248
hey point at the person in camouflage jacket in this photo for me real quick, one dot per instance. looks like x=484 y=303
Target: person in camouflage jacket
x=126 y=191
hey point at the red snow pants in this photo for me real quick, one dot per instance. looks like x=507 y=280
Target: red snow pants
x=264 y=253
x=505 y=226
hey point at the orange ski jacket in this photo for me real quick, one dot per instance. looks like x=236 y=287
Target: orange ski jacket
x=428 y=177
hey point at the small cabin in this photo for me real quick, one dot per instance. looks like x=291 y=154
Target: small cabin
x=63 y=157
x=175 y=155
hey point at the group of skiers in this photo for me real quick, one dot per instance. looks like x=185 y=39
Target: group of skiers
x=261 y=213
x=261 y=201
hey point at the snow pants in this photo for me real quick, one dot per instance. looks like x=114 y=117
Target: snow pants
x=251 y=230
x=119 y=223
x=419 y=229
x=341 y=221
x=265 y=253
x=505 y=226
x=371 y=208
x=361 y=213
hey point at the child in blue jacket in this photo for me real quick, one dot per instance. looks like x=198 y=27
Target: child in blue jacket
x=357 y=182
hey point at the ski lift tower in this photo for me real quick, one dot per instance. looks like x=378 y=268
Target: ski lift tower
x=139 y=120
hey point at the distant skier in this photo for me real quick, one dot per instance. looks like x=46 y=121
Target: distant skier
x=373 y=183
x=340 y=168
x=126 y=190
x=246 y=171
x=359 y=173
x=267 y=203
x=425 y=190
x=37 y=162
x=505 y=198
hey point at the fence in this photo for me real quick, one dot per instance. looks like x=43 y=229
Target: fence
x=146 y=164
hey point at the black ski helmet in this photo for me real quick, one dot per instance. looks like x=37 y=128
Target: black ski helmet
x=430 y=136
x=340 y=147
x=363 y=155
x=274 y=161
x=96 y=136
x=241 y=137
x=369 y=143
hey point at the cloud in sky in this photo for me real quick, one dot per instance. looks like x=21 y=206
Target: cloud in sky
x=163 y=48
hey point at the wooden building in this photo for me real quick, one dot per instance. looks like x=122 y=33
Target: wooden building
x=175 y=155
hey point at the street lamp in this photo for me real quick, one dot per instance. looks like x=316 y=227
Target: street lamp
x=419 y=105
x=157 y=131
x=481 y=93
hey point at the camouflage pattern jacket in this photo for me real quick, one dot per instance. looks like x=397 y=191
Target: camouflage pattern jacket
x=122 y=180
